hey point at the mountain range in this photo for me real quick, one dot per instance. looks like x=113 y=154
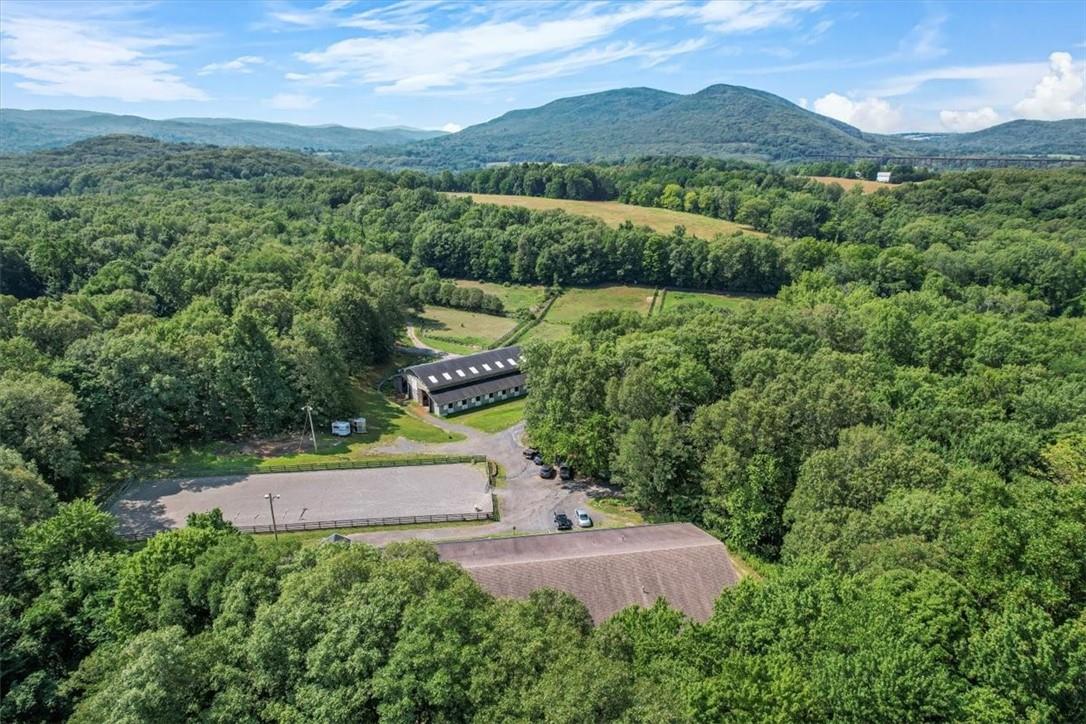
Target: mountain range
x=719 y=121
x=24 y=131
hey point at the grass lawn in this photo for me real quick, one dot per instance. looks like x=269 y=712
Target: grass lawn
x=617 y=512
x=458 y=331
x=675 y=299
x=513 y=296
x=386 y=420
x=494 y=417
x=613 y=213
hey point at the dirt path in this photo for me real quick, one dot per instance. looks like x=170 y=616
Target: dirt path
x=526 y=501
x=422 y=346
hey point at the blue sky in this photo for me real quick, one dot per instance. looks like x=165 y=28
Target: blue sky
x=882 y=66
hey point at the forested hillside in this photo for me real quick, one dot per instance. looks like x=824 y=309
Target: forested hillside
x=899 y=437
x=721 y=121
x=24 y=131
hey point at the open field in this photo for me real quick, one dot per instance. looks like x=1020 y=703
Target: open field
x=312 y=497
x=577 y=302
x=674 y=299
x=546 y=332
x=613 y=213
x=460 y=332
x=494 y=418
x=513 y=296
x=847 y=183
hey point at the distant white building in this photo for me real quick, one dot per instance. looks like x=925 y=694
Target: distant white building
x=883 y=177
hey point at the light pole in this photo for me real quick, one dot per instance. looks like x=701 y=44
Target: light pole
x=312 y=430
x=271 y=504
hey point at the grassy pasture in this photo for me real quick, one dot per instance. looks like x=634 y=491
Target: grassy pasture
x=513 y=296
x=614 y=213
x=674 y=299
x=576 y=303
x=458 y=331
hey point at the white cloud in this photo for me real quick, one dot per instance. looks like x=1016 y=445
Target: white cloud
x=1059 y=94
x=292 y=102
x=452 y=127
x=493 y=52
x=801 y=102
x=744 y=16
x=870 y=114
x=965 y=121
x=64 y=57
x=924 y=41
x=242 y=64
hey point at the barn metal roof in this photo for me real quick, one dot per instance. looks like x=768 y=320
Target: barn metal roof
x=483 y=388
x=468 y=369
x=607 y=569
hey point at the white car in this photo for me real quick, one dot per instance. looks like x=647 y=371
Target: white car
x=584 y=520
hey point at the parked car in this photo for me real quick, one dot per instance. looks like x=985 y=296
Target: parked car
x=546 y=471
x=530 y=452
x=565 y=471
x=562 y=522
x=583 y=518
x=537 y=459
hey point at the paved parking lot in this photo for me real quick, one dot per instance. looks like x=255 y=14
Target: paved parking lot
x=307 y=497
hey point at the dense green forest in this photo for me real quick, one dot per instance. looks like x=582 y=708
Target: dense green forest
x=900 y=436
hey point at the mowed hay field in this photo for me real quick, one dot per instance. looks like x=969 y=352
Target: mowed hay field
x=458 y=331
x=847 y=183
x=613 y=213
x=674 y=299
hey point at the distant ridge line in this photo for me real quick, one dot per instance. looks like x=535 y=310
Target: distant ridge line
x=982 y=161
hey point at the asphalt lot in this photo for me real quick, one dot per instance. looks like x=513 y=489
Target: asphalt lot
x=307 y=497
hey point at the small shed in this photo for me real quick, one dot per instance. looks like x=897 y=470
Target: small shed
x=883 y=177
x=341 y=428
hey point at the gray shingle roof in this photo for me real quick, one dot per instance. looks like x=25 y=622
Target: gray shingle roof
x=468 y=369
x=606 y=569
x=462 y=393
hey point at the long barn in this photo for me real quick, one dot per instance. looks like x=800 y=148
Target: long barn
x=462 y=383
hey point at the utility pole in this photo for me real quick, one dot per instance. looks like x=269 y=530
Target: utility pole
x=271 y=504
x=312 y=430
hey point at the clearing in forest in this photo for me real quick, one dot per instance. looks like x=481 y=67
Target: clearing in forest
x=847 y=183
x=577 y=302
x=459 y=331
x=512 y=296
x=673 y=299
x=614 y=213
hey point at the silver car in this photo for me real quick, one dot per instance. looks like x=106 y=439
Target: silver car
x=584 y=520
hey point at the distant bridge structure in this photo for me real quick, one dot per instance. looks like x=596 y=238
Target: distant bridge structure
x=953 y=161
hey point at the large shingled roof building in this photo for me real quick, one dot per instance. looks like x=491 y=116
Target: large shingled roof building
x=607 y=569
x=461 y=383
